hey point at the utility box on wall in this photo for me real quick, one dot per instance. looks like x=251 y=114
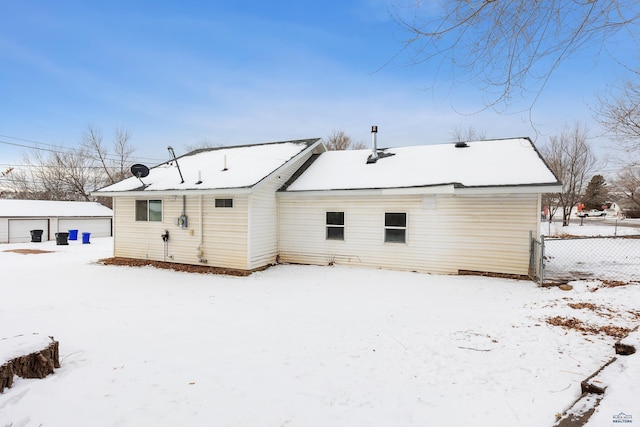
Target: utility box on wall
x=181 y=221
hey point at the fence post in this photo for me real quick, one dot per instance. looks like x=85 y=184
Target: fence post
x=541 y=260
x=532 y=255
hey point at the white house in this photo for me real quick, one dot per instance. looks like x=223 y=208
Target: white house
x=442 y=208
x=436 y=208
x=212 y=207
x=19 y=217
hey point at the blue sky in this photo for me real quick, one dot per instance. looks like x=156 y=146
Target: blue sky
x=237 y=72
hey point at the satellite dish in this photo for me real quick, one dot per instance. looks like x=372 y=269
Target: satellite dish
x=139 y=171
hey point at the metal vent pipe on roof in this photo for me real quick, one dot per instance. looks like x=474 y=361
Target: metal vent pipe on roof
x=374 y=142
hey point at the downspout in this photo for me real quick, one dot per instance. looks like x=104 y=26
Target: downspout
x=249 y=215
x=199 y=250
x=114 y=206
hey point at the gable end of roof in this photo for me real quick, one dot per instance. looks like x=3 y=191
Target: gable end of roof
x=300 y=171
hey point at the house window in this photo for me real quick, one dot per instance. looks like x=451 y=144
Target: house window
x=224 y=203
x=395 y=227
x=335 y=225
x=148 y=210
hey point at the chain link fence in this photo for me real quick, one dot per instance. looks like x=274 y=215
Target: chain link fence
x=614 y=259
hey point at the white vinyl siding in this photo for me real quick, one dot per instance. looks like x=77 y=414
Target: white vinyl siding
x=133 y=238
x=264 y=217
x=303 y=234
x=445 y=234
x=490 y=233
x=226 y=233
x=224 y=238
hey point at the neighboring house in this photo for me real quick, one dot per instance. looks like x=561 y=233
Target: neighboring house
x=436 y=208
x=614 y=210
x=19 y=217
x=212 y=207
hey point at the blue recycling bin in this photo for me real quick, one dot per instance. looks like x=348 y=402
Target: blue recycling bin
x=85 y=238
x=73 y=234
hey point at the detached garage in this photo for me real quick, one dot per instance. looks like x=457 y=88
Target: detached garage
x=19 y=217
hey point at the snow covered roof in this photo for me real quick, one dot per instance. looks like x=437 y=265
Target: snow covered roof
x=217 y=168
x=52 y=208
x=505 y=162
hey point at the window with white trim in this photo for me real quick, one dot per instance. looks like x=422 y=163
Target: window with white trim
x=148 y=210
x=335 y=225
x=395 y=227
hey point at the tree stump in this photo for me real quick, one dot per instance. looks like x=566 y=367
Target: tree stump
x=36 y=364
x=6 y=376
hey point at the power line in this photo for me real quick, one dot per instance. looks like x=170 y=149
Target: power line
x=26 y=140
x=15 y=144
x=61 y=150
x=41 y=166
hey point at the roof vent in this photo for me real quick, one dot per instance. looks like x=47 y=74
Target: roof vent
x=461 y=144
x=374 y=145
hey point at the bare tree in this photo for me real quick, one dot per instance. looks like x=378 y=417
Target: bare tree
x=92 y=143
x=200 y=144
x=61 y=173
x=619 y=115
x=571 y=159
x=20 y=184
x=113 y=166
x=462 y=134
x=44 y=177
x=511 y=48
x=58 y=175
x=338 y=140
x=122 y=151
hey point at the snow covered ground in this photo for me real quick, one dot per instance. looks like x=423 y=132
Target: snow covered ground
x=299 y=345
x=596 y=255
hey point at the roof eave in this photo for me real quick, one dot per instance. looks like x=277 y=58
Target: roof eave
x=449 y=188
x=511 y=189
x=175 y=192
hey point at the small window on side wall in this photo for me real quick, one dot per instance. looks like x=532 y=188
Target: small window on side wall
x=224 y=203
x=395 y=227
x=148 y=210
x=335 y=225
